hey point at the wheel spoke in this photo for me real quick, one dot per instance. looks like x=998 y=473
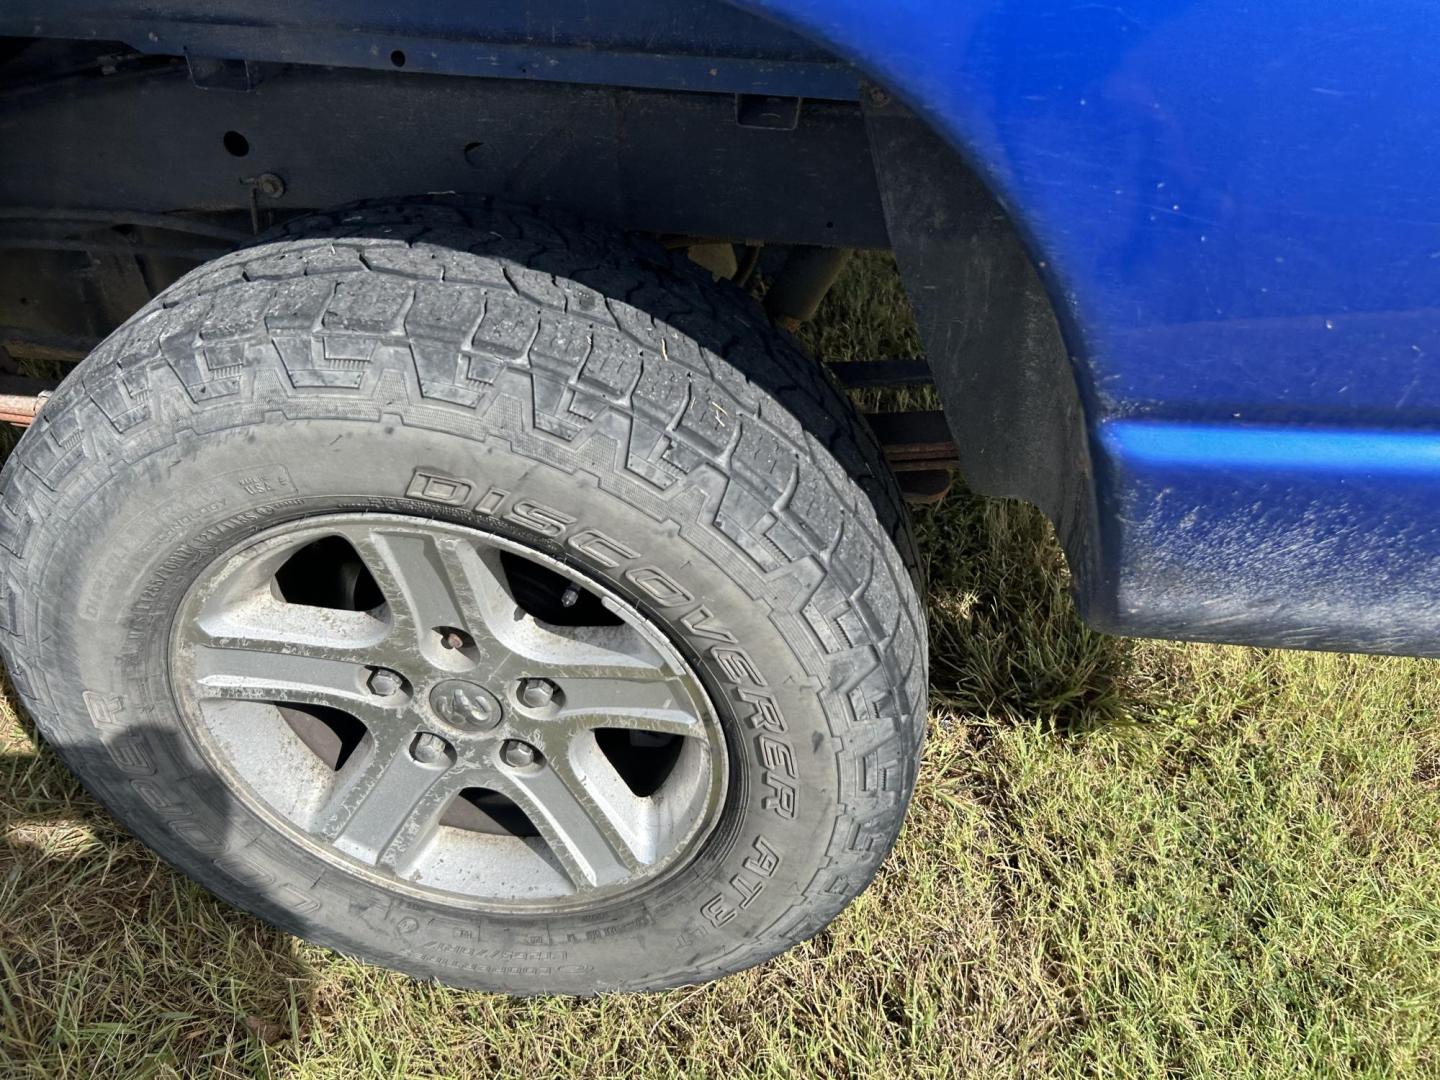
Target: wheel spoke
x=389 y=807
x=652 y=701
x=257 y=647
x=436 y=582
x=248 y=670
x=539 y=650
x=580 y=813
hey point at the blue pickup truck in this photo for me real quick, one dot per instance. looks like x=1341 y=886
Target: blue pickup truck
x=438 y=544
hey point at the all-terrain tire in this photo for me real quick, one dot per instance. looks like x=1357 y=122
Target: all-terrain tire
x=533 y=377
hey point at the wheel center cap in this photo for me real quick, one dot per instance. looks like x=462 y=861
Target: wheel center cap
x=465 y=705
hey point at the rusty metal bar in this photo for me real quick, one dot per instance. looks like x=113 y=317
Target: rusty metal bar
x=22 y=398
x=915 y=441
x=921 y=453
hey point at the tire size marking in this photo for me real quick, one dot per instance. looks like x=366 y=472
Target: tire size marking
x=178 y=516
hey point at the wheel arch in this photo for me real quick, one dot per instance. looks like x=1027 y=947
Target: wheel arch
x=1002 y=333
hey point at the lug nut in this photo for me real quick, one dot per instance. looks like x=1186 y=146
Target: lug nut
x=537 y=693
x=385 y=682
x=429 y=749
x=518 y=754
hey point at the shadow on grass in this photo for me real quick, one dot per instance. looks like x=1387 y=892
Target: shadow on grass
x=106 y=953
x=1007 y=645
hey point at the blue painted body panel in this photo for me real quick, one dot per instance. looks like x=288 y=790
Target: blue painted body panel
x=1232 y=204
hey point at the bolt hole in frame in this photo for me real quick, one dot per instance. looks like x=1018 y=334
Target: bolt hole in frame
x=236 y=144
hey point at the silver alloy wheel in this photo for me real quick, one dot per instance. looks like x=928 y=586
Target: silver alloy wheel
x=373 y=683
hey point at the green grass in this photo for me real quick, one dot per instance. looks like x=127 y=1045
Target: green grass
x=1123 y=859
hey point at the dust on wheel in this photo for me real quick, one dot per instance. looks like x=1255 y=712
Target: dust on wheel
x=479 y=593
x=441 y=742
